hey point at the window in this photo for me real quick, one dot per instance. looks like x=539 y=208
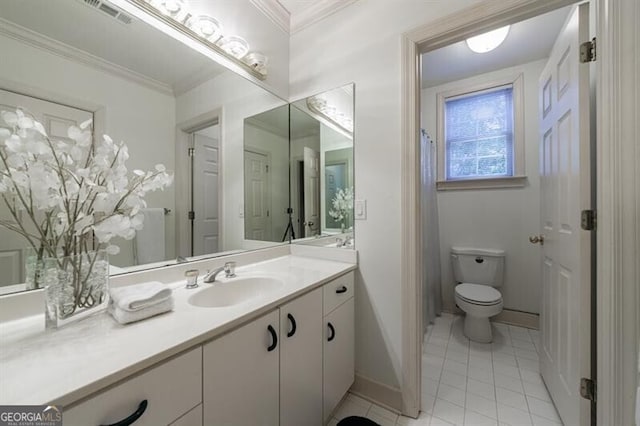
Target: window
x=479 y=136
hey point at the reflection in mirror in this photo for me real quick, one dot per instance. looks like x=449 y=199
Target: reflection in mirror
x=322 y=184
x=266 y=175
x=162 y=98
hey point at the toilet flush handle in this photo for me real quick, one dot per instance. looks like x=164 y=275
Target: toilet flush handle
x=537 y=239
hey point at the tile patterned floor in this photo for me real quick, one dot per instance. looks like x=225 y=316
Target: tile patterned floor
x=468 y=383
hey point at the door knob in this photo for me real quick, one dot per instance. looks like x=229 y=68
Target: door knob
x=309 y=224
x=537 y=239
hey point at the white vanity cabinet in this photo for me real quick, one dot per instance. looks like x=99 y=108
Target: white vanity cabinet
x=338 y=351
x=242 y=375
x=162 y=395
x=301 y=361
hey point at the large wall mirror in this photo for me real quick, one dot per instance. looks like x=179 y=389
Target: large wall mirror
x=299 y=170
x=65 y=61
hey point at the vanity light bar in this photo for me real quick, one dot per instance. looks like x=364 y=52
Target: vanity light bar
x=146 y=12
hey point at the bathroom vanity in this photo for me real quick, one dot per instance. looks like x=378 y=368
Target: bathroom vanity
x=283 y=357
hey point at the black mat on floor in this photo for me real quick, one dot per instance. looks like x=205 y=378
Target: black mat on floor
x=356 y=421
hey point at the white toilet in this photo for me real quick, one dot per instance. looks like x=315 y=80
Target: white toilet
x=477 y=273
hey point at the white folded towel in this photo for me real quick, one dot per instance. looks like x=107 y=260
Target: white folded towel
x=124 y=317
x=139 y=296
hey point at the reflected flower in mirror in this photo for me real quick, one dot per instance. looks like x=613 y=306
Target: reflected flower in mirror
x=70 y=197
x=342 y=206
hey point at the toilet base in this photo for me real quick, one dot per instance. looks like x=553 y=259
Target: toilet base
x=478 y=329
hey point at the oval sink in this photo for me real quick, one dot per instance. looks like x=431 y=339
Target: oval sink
x=233 y=292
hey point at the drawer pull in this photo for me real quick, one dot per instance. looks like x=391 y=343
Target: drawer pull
x=341 y=290
x=293 y=325
x=132 y=418
x=274 y=338
x=333 y=332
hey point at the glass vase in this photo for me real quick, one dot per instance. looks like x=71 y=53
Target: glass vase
x=75 y=286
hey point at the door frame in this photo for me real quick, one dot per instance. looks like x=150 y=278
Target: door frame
x=184 y=141
x=617 y=190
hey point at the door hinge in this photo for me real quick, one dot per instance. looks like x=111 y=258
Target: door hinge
x=588 y=389
x=192 y=215
x=192 y=152
x=267 y=169
x=588 y=220
x=588 y=51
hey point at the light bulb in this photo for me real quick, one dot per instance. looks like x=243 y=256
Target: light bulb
x=235 y=46
x=486 y=42
x=206 y=27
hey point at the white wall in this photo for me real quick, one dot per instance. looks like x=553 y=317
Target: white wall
x=238 y=98
x=361 y=44
x=500 y=218
x=142 y=117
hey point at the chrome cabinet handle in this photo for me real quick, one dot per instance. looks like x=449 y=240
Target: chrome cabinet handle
x=537 y=239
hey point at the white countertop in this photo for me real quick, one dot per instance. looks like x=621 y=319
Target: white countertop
x=65 y=365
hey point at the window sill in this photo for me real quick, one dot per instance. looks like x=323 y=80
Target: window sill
x=486 y=183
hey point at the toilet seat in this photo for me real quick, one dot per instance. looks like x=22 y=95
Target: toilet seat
x=476 y=294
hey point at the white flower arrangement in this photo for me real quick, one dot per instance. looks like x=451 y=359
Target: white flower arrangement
x=342 y=205
x=69 y=197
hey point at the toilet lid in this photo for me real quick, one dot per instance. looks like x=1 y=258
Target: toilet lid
x=479 y=294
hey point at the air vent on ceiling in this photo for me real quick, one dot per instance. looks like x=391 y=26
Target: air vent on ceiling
x=109 y=10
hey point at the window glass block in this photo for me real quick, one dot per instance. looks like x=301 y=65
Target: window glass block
x=479 y=134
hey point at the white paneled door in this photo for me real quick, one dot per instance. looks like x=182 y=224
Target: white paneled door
x=206 y=173
x=56 y=119
x=257 y=220
x=311 y=192
x=565 y=191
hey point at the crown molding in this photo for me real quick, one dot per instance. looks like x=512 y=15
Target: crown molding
x=55 y=47
x=319 y=10
x=275 y=11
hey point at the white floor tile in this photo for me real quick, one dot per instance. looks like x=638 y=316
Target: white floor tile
x=511 y=398
x=382 y=412
x=481 y=374
x=382 y=421
x=423 y=420
x=484 y=406
x=428 y=402
x=435 y=421
x=454 y=379
x=483 y=384
x=536 y=390
x=455 y=366
x=451 y=394
x=543 y=409
x=449 y=412
x=541 y=421
x=512 y=416
x=349 y=408
x=430 y=386
x=528 y=364
x=474 y=419
x=485 y=390
x=531 y=376
x=508 y=382
x=359 y=401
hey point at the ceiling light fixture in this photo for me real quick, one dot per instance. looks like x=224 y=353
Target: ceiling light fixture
x=206 y=27
x=177 y=16
x=486 y=42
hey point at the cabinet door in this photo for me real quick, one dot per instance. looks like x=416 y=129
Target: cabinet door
x=241 y=375
x=339 y=353
x=301 y=361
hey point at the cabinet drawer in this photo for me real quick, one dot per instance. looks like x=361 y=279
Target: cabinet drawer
x=170 y=389
x=338 y=291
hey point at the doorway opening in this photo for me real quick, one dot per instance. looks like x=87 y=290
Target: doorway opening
x=501 y=177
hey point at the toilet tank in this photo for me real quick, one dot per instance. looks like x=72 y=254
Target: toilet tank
x=478 y=266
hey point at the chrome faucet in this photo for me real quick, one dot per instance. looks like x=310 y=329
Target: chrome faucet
x=229 y=272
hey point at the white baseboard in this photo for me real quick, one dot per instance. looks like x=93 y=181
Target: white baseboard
x=378 y=393
x=508 y=316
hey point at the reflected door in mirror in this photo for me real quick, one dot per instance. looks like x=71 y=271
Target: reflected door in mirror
x=256 y=182
x=311 y=192
x=206 y=192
